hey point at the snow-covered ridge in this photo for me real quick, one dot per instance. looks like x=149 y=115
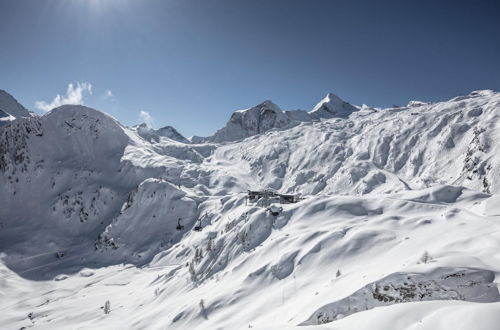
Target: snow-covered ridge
x=398 y=219
x=154 y=135
x=10 y=109
x=267 y=116
x=332 y=106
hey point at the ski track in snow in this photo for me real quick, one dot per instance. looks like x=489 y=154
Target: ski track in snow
x=397 y=227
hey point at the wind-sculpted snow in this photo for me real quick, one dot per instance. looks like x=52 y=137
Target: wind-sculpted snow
x=93 y=211
x=379 y=150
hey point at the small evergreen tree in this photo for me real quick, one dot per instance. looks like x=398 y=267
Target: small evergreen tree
x=107 y=307
x=198 y=254
x=203 y=310
x=338 y=273
x=426 y=257
x=192 y=271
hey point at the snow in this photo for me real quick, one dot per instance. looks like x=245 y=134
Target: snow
x=397 y=226
x=332 y=106
x=268 y=116
x=152 y=135
x=5 y=117
x=10 y=106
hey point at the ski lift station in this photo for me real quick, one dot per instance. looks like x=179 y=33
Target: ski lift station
x=254 y=196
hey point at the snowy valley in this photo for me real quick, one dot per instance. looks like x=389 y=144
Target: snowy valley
x=397 y=223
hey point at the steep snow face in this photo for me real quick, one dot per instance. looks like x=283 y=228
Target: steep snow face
x=64 y=178
x=76 y=167
x=10 y=108
x=158 y=208
x=332 y=106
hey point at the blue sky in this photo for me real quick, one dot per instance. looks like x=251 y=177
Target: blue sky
x=190 y=64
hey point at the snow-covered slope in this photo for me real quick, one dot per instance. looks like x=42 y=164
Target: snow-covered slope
x=10 y=108
x=5 y=117
x=397 y=228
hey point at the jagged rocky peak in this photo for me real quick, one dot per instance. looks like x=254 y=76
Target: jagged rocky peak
x=10 y=109
x=252 y=121
x=258 y=110
x=171 y=133
x=153 y=135
x=332 y=106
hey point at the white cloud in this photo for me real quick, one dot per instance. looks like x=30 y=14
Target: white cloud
x=108 y=94
x=146 y=118
x=74 y=95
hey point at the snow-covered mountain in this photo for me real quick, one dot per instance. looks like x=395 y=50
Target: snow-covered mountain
x=10 y=108
x=153 y=135
x=267 y=116
x=397 y=226
x=332 y=106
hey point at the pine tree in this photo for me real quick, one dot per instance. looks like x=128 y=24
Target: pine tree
x=426 y=257
x=203 y=310
x=107 y=307
x=192 y=271
x=199 y=254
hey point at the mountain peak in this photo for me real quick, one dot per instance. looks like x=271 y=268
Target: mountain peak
x=150 y=134
x=252 y=121
x=332 y=106
x=269 y=105
x=9 y=105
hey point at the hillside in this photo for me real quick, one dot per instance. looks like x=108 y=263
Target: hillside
x=397 y=226
x=10 y=108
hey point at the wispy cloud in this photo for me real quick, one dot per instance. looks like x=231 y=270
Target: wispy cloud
x=146 y=118
x=108 y=94
x=75 y=94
